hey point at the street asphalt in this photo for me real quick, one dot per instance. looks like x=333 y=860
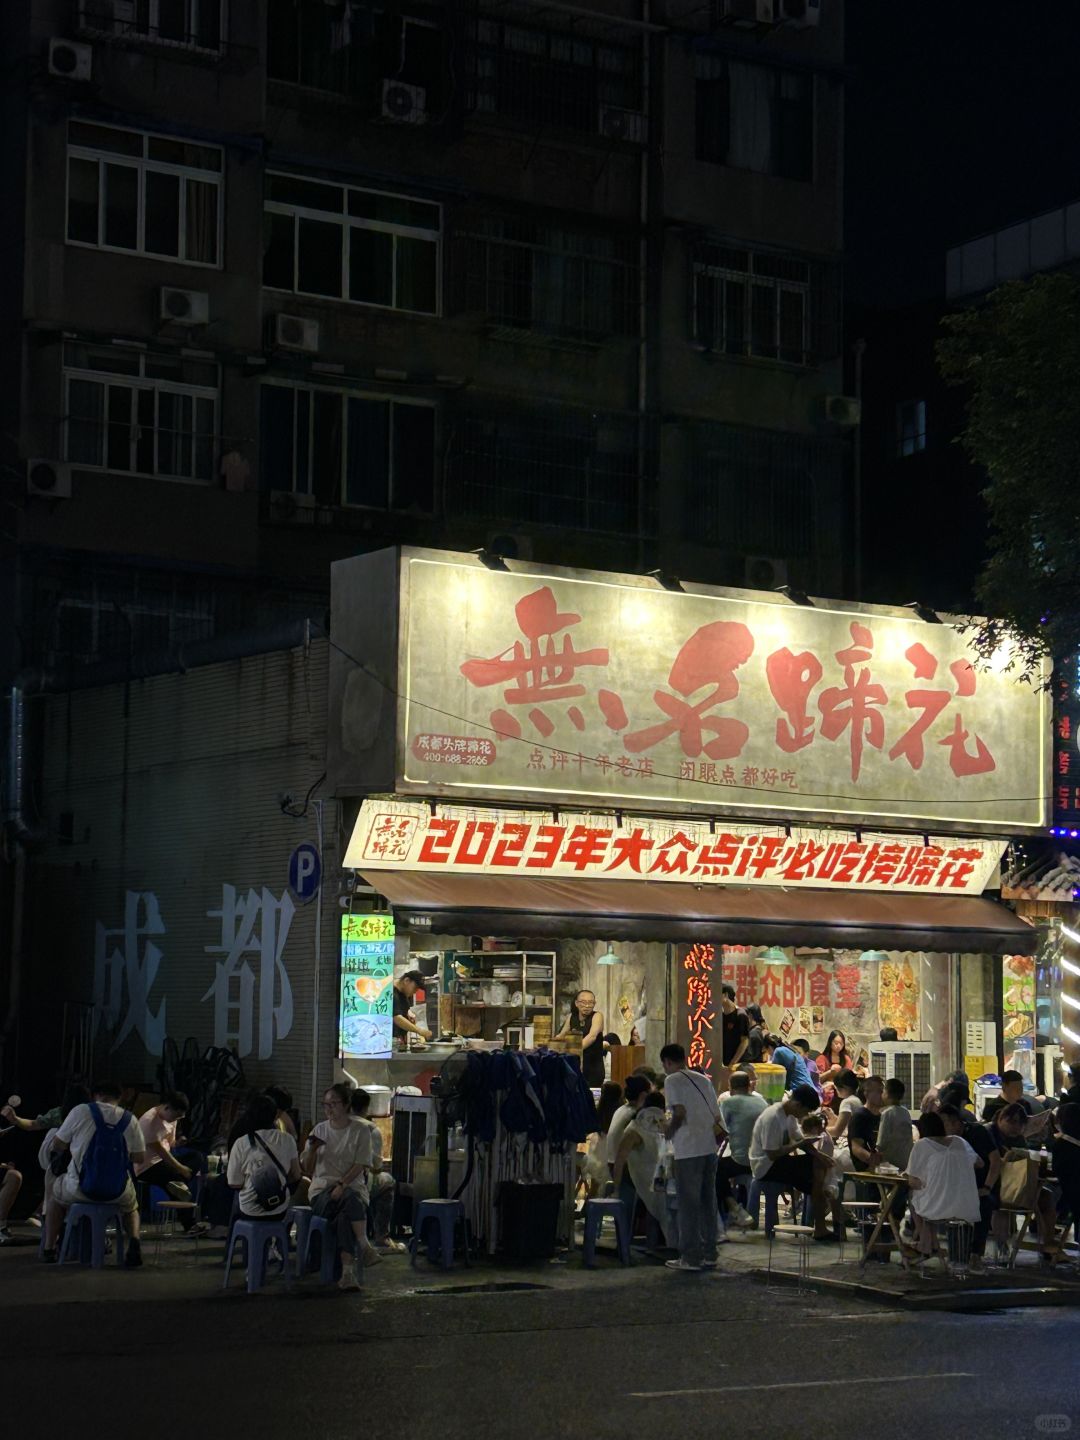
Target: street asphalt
x=642 y=1352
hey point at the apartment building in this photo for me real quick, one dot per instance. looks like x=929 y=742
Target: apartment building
x=293 y=278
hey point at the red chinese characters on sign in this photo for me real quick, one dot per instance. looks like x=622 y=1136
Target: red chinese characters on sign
x=543 y=670
x=697 y=968
x=931 y=703
x=708 y=659
x=857 y=704
x=390 y=836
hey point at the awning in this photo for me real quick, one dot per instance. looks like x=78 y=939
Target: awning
x=525 y=908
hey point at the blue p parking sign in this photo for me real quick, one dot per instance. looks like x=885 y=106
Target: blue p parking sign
x=305 y=872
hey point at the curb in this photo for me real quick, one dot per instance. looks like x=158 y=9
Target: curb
x=984 y=1299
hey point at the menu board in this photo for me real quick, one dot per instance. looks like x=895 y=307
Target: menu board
x=1018 y=1014
x=365 y=1017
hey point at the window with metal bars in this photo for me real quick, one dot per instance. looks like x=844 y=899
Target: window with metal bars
x=347 y=448
x=754 y=491
x=556 y=467
x=190 y=24
x=762 y=304
x=545 y=77
x=104 y=622
x=140 y=412
x=543 y=278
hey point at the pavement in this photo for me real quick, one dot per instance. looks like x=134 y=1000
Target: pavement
x=549 y=1350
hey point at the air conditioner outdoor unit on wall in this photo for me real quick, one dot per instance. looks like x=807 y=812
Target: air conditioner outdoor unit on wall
x=51 y=479
x=619 y=124
x=764 y=572
x=842 y=410
x=296 y=332
x=404 y=104
x=183 y=307
x=799 y=14
x=746 y=12
x=69 y=60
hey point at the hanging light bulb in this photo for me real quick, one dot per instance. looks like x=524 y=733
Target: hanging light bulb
x=872 y=957
x=609 y=957
x=773 y=956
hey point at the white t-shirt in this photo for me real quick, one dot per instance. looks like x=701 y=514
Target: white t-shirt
x=247 y=1158
x=772 y=1129
x=692 y=1090
x=78 y=1130
x=341 y=1150
x=949 y=1190
x=155 y=1128
x=45 y=1153
x=617 y=1129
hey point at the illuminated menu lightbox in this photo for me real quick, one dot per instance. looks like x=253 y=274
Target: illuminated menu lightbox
x=365 y=1018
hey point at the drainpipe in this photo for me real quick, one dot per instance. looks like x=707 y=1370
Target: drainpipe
x=32 y=684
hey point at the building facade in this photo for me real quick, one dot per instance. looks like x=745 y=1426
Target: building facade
x=292 y=280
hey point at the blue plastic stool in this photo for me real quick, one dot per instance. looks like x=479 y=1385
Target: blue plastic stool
x=301 y=1217
x=329 y=1259
x=97 y=1217
x=445 y=1214
x=595 y=1213
x=772 y=1191
x=257 y=1235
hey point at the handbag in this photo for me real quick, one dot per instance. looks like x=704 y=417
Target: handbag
x=1019 y=1181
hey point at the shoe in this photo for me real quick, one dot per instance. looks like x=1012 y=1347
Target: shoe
x=370 y=1256
x=742 y=1219
x=390 y=1247
x=348 y=1281
x=722 y=1237
x=682 y=1265
x=133 y=1258
x=6 y=1236
x=49 y=1257
x=35 y=1221
x=201 y=1227
x=709 y=1264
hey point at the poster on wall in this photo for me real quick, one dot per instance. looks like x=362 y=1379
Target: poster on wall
x=1018 y=1013
x=365 y=1017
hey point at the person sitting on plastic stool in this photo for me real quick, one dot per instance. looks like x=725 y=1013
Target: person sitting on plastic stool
x=382 y=1186
x=97 y=1164
x=338 y=1159
x=264 y=1165
x=159 y=1166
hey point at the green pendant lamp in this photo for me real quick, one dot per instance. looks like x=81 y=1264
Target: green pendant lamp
x=773 y=956
x=609 y=957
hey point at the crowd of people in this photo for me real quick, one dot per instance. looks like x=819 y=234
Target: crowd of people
x=95 y=1151
x=689 y=1155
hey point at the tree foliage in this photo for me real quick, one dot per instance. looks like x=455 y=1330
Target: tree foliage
x=1018 y=355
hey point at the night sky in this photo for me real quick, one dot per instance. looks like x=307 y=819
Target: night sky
x=963 y=115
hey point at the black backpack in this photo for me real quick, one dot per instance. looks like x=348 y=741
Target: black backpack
x=270 y=1183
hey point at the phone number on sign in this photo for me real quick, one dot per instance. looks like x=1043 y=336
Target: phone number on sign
x=453 y=750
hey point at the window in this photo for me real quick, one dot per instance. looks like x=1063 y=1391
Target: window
x=347 y=244
x=193 y=24
x=108 y=622
x=344 y=448
x=347 y=50
x=542 y=278
x=757 y=492
x=140 y=412
x=747 y=302
x=544 y=77
x=752 y=117
x=554 y=466
x=910 y=428
x=154 y=194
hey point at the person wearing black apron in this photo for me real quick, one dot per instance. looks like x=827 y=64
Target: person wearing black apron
x=585 y=1020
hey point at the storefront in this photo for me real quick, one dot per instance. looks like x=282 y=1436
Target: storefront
x=566 y=780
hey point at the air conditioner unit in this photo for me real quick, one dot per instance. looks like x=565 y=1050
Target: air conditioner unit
x=903 y=1060
x=296 y=332
x=764 y=572
x=404 y=104
x=619 y=124
x=842 y=410
x=510 y=545
x=287 y=503
x=69 y=60
x=183 y=307
x=747 y=12
x=51 y=479
x=799 y=14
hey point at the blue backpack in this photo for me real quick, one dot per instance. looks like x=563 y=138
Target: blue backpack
x=106 y=1166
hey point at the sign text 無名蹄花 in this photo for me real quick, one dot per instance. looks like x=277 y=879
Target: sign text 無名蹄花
x=602 y=690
